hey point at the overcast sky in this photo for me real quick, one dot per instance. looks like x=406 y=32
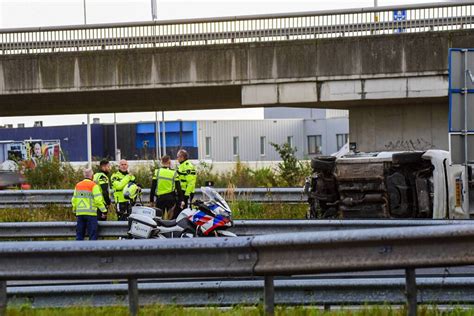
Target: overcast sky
x=24 y=13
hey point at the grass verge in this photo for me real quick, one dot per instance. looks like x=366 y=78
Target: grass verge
x=233 y=311
x=242 y=209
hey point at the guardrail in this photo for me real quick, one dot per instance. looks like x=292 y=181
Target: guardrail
x=240 y=29
x=267 y=255
x=322 y=292
x=41 y=198
x=31 y=230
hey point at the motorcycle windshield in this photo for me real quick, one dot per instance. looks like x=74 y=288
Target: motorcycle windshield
x=212 y=195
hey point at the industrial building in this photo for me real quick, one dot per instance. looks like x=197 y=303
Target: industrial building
x=310 y=131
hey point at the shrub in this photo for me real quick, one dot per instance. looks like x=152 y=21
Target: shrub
x=291 y=171
x=53 y=174
x=144 y=174
x=265 y=177
x=205 y=173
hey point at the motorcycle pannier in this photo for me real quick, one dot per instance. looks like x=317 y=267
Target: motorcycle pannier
x=140 y=226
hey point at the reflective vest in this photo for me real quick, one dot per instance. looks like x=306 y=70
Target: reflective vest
x=101 y=178
x=119 y=181
x=187 y=177
x=165 y=180
x=87 y=198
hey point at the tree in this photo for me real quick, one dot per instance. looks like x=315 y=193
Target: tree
x=290 y=169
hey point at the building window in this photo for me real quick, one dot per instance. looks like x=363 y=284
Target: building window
x=289 y=140
x=314 y=144
x=208 y=147
x=341 y=140
x=236 y=145
x=263 y=141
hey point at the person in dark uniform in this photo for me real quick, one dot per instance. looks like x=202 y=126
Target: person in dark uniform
x=102 y=179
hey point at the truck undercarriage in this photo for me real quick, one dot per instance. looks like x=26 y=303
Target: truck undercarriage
x=398 y=186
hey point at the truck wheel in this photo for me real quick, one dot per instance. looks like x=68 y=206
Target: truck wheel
x=323 y=163
x=407 y=158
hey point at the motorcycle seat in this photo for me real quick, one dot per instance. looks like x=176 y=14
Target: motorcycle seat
x=166 y=223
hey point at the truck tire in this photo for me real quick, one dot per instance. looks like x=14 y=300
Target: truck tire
x=407 y=158
x=323 y=163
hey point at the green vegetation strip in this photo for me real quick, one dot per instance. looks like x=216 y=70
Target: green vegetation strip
x=241 y=210
x=237 y=311
x=290 y=172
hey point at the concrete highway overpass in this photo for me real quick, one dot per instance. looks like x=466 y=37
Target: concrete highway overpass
x=395 y=85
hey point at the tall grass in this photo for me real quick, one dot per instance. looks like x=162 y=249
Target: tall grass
x=61 y=175
x=241 y=210
x=53 y=175
x=242 y=176
x=49 y=214
x=244 y=209
x=233 y=311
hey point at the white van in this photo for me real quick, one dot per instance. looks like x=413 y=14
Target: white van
x=387 y=185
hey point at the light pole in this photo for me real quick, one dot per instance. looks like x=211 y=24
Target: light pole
x=85 y=12
x=157 y=137
x=89 y=142
x=163 y=131
x=154 y=10
x=89 y=132
x=376 y=4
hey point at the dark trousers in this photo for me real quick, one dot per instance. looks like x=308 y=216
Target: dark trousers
x=123 y=210
x=188 y=199
x=167 y=202
x=86 y=223
x=99 y=216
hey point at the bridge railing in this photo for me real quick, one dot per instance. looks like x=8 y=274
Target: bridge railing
x=240 y=29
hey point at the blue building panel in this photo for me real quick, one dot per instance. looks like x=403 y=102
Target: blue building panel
x=178 y=134
x=134 y=139
x=189 y=126
x=172 y=127
x=188 y=139
x=146 y=128
x=73 y=138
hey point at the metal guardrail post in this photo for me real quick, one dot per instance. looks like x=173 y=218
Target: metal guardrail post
x=410 y=278
x=269 y=295
x=3 y=297
x=133 y=296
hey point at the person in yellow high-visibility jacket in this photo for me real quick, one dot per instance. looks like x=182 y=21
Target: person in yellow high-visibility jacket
x=102 y=179
x=119 y=181
x=166 y=186
x=86 y=200
x=187 y=177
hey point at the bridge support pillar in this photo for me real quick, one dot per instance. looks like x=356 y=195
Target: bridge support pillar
x=410 y=279
x=133 y=296
x=269 y=295
x=3 y=298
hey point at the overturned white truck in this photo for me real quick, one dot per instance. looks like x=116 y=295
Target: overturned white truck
x=387 y=185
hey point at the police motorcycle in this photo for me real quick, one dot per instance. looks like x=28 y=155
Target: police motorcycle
x=209 y=218
x=140 y=216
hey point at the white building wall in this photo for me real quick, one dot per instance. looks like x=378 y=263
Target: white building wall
x=331 y=113
x=249 y=133
x=328 y=129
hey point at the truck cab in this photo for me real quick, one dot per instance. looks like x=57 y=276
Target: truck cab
x=418 y=184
